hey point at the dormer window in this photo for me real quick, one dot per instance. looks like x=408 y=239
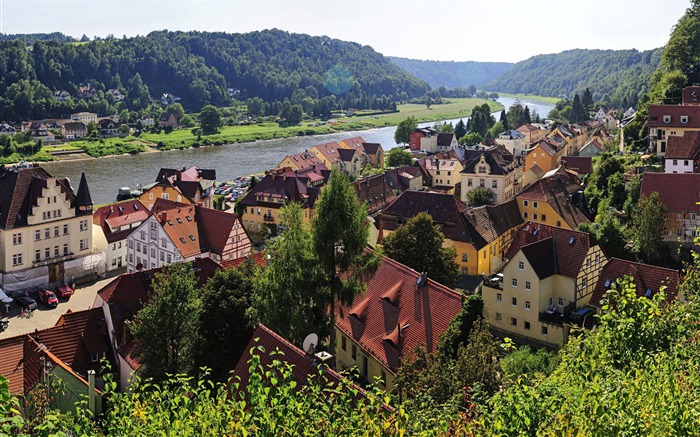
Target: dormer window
x=684 y=119
x=667 y=119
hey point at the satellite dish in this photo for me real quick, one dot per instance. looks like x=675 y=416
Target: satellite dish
x=310 y=343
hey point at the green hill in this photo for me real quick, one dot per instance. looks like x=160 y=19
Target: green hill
x=453 y=74
x=622 y=75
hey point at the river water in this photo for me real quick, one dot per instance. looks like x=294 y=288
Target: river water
x=106 y=175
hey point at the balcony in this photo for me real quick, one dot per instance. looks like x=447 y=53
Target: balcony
x=268 y=218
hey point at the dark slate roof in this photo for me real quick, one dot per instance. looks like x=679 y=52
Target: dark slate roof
x=678 y=191
x=579 y=164
x=82 y=197
x=375 y=191
x=19 y=191
x=445 y=139
x=279 y=184
x=498 y=159
x=490 y=222
x=371 y=148
x=542 y=257
x=569 y=248
x=645 y=277
x=346 y=154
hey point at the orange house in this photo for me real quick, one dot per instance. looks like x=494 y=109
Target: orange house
x=546 y=154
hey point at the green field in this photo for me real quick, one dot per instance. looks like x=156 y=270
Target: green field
x=551 y=100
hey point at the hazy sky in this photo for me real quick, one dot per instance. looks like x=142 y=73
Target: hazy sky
x=457 y=30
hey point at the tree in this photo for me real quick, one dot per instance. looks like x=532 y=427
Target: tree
x=577 y=111
x=472 y=90
x=480 y=196
x=210 y=119
x=457 y=334
x=418 y=244
x=290 y=296
x=398 y=157
x=460 y=129
x=587 y=102
x=504 y=120
x=186 y=121
x=166 y=328
x=404 y=130
x=516 y=115
x=496 y=129
x=124 y=116
x=447 y=128
x=223 y=325
x=340 y=233
x=471 y=139
x=648 y=223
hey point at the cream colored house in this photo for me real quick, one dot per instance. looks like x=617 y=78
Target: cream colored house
x=45 y=229
x=494 y=168
x=445 y=173
x=112 y=224
x=550 y=273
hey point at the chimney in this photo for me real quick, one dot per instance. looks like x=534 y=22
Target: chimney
x=163 y=216
x=91 y=391
x=178 y=175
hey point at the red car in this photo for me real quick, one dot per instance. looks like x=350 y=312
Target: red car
x=47 y=297
x=65 y=291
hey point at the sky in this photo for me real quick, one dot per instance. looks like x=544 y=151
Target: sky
x=444 y=30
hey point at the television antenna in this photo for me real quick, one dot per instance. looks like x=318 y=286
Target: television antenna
x=310 y=343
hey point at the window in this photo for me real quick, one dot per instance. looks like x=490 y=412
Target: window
x=37 y=235
x=469 y=183
x=37 y=255
x=514 y=301
x=65 y=229
x=678 y=232
x=534 y=204
x=534 y=216
x=150 y=196
x=131 y=244
x=584 y=282
x=354 y=352
x=559 y=223
x=526 y=203
x=494 y=184
x=482 y=182
x=667 y=119
x=16 y=239
x=143 y=235
x=162 y=256
x=17 y=259
x=525 y=214
x=165 y=196
x=138 y=247
x=514 y=282
x=170 y=259
x=464 y=257
x=383 y=378
x=544 y=217
x=499 y=297
x=597 y=258
x=527 y=326
x=55 y=231
x=163 y=242
x=544 y=331
x=83 y=244
x=684 y=119
x=56 y=252
x=83 y=225
x=153 y=252
x=675 y=162
x=47 y=253
x=685 y=162
x=513 y=321
x=131 y=257
x=560 y=302
x=528 y=286
x=527 y=304
x=65 y=249
x=499 y=317
x=47 y=233
x=521 y=265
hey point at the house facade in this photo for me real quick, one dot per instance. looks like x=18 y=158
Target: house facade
x=494 y=168
x=445 y=173
x=545 y=154
x=683 y=153
x=533 y=132
x=112 y=225
x=666 y=121
x=513 y=141
x=550 y=272
x=425 y=139
x=74 y=130
x=84 y=117
x=679 y=193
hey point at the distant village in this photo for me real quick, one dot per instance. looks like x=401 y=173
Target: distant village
x=539 y=275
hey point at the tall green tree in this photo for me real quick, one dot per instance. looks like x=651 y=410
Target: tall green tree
x=210 y=119
x=418 y=244
x=587 y=102
x=404 y=130
x=504 y=120
x=340 y=233
x=648 y=223
x=290 y=295
x=166 y=328
x=480 y=196
x=460 y=129
x=398 y=157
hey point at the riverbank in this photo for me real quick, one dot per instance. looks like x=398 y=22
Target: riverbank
x=550 y=100
x=186 y=138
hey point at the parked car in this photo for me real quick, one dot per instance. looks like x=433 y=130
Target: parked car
x=47 y=297
x=26 y=302
x=65 y=291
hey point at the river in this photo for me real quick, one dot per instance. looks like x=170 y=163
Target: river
x=106 y=175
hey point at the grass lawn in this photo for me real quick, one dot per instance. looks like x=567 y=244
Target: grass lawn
x=111 y=146
x=551 y=100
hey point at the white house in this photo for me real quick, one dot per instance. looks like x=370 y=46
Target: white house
x=112 y=225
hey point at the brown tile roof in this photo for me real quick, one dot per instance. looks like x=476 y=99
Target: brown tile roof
x=685 y=147
x=645 y=276
x=548 y=145
x=19 y=191
x=126 y=213
x=579 y=164
x=392 y=299
x=678 y=191
x=375 y=191
x=284 y=184
x=71 y=341
x=691 y=95
x=552 y=250
x=180 y=226
x=353 y=143
x=446 y=210
x=371 y=148
x=303 y=160
x=657 y=113
x=215 y=228
x=328 y=151
x=490 y=222
x=258 y=258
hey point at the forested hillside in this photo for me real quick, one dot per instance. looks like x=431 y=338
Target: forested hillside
x=620 y=77
x=453 y=74
x=30 y=38
x=196 y=66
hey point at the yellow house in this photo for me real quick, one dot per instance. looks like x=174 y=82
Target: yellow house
x=550 y=272
x=328 y=154
x=300 y=161
x=545 y=154
x=399 y=311
x=162 y=191
x=555 y=200
x=445 y=174
x=189 y=185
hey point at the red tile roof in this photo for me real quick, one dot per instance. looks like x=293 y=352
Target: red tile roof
x=657 y=113
x=392 y=299
x=579 y=164
x=645 y=276
x=126 y=213
x=303 y=160
x=561 y=252
x=375 y=191
x=258 y=258
x=685 y=147
x=678 y=191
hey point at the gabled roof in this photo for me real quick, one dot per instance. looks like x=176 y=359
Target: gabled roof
x=558 y=251
x=69 y=343
x=393 y=300
x=75 y=126
x=374 y=191
x=215 y=228
x=303 y=160
x=685 y=147
x=579 y=164
x=328 y=150
x=281 y=184
x=674 y=113
x=444 y=139
x=372 y=148
x=353 y=143
x=445 y=209
x=347 y=155
x=645 y=277
x=499 y=160
x=548 y=145
x=126 y=213
x=512 y=134
x=258 y=258
x=19 y=190
x=492 y=221
x=678 y=191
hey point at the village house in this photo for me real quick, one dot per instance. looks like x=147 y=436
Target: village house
x=550 y=273
x=423 y=134
x=74 y=130
x=399 y=311
x=683 y=153
x=513 y=141
x=87 y=91
x=328 y=154
x=147 y=121
x=61 y=95
x=6 y=129
x=262 y=204
x=350 y=162
x=647 y=280
x=494 y=168
x=192 y=185
x=545 y=154
x=117 y=95
x=300 y=161
x=375 y=154
x=84 y=117
x=107 y=127
x=72 y=350
x=168 y=120
x=666 y=121
x=40 y=131
x=444 y=173
x=45 y=235
x=582 y=165
x=111 y=225
x=593 y=147
x=168 y=99
x=533 y=132
x=679 y=193
x=556 y=200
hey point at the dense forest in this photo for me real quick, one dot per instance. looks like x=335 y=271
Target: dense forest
x=619 y=77
x=453 y=74
x=200 y=67
x=31 y=38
